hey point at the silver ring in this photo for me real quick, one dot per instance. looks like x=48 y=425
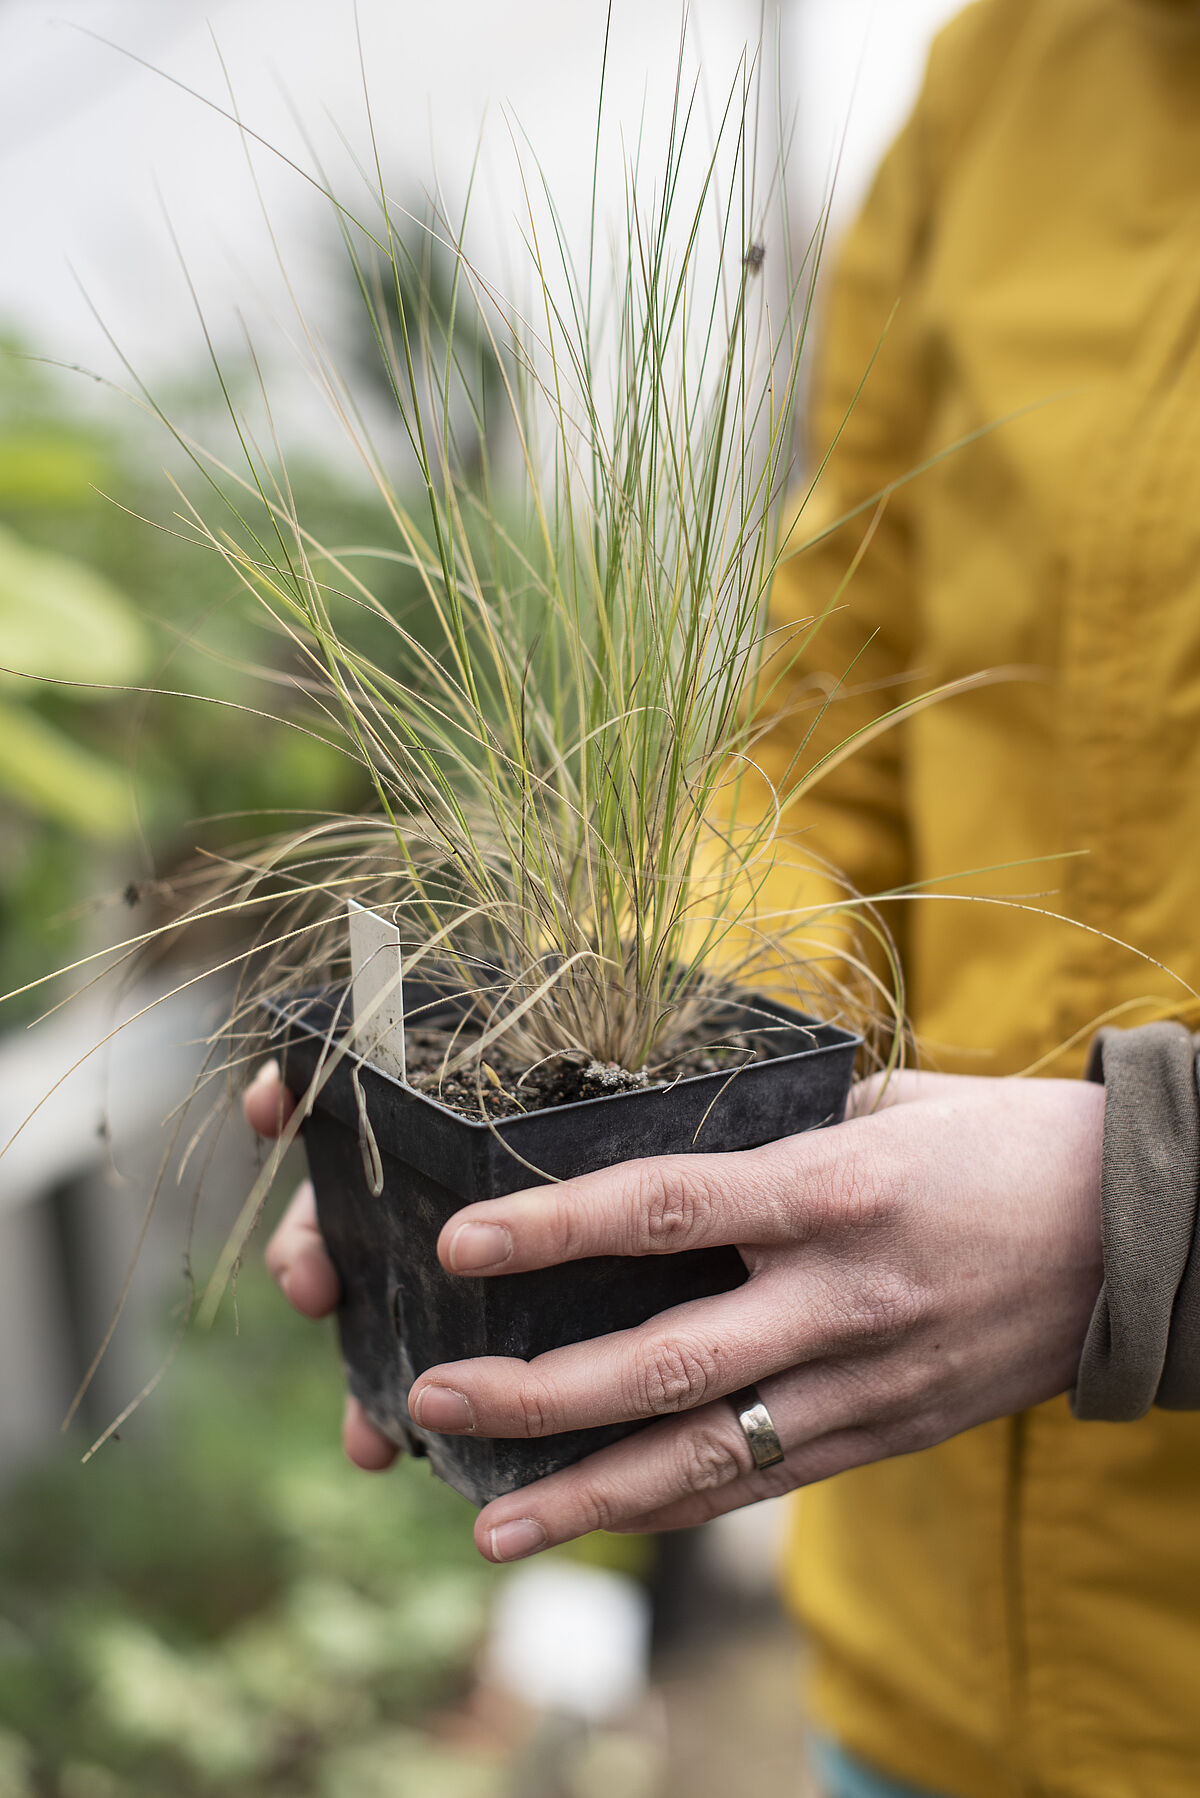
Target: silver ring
x=754 y=1419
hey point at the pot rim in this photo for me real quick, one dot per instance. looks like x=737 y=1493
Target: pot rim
x=291 y=1013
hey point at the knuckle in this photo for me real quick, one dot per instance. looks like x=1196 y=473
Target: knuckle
x=886 y=1306
x=917 y=1434
x=673 y=1376
x=709 y=1460
x=904 y=1386
x=597 y=1510
x=889 y=1399
x=866 y=1192
x=670 y=1209
x=929 y=1380
x=571 y=1231
x=852 y=1191
x=606 y=1512
x=774 y=1482
x=909 y=1435
x=532 y=1409
x=934 y=1425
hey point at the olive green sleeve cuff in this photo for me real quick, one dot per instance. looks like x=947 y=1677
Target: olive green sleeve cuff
x=1143 y=1342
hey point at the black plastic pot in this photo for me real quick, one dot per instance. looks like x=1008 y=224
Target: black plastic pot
x=401 y=1313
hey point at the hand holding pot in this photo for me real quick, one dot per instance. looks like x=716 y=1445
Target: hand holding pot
x=922 y=1268
x=918 y=1270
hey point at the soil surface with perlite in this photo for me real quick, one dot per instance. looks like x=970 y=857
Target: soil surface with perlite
x=498 y=1086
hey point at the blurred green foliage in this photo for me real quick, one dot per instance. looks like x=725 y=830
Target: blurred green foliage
x=100 y=789
x=61 y=621
x=224 y=1605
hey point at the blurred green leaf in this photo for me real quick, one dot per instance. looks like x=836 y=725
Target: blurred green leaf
x=16 y=1766
x=57 y=778
x=187 y=1703
x=45 y=467
x=83 y=1779
x=223 y=1605
x=403 y=1764
x=61 y=620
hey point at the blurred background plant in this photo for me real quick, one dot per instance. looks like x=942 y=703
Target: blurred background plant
x=225 y=1607
x=103 y=598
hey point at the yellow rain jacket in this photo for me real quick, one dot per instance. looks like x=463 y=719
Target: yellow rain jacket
x=1018 y=1610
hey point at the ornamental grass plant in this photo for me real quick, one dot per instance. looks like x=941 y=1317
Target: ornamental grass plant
x=594 y=491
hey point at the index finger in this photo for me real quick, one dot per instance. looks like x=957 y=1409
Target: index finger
x=662 y=1205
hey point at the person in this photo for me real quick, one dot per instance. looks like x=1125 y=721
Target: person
x=972 y=1312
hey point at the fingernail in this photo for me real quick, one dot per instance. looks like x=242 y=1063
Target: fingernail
x=476 y=1246
x=442 y=1409
x=267 y=1074
x=513 y=1541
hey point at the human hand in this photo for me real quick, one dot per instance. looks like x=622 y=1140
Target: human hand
x=296 y=1258
x=917 y=1270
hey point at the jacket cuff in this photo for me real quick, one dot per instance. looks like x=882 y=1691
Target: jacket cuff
x=1143 y=1342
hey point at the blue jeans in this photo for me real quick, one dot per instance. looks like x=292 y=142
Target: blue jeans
x=842 y=1776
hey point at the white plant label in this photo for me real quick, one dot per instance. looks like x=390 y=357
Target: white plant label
x=377 y=989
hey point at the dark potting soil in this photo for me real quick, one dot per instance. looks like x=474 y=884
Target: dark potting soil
x=498 y=1086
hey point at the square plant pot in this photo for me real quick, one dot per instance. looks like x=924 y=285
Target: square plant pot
x=401 y=1313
